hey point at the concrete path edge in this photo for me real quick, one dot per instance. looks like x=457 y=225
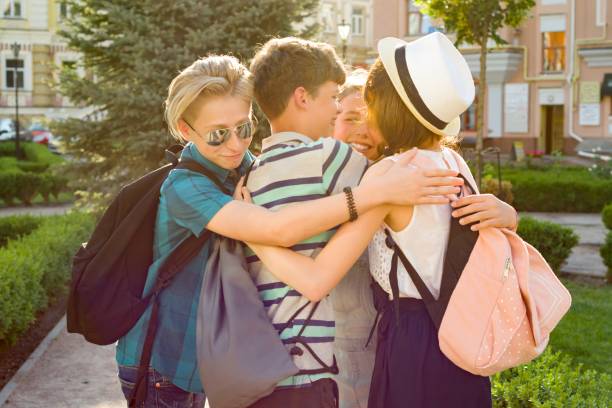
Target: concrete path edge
x=25 y=368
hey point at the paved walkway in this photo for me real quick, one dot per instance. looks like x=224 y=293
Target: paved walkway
x=57 y=209
x=585 y=258
x=66 y=371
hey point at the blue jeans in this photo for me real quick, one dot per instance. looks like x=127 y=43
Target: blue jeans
x=161 y=392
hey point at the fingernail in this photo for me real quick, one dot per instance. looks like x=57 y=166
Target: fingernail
x=454 y=213
x=454 y=204
x=461 y=221
x=473 y=228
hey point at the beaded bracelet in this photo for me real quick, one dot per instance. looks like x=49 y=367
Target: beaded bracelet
x=350 y=202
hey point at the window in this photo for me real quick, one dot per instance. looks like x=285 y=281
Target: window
x=600 y=19
x=327 y=18
x=64 y=10
x=553 y=50
x=357 y=21
x=12 y=9
x=14 y=69
x=468 y=119
x=417 y=23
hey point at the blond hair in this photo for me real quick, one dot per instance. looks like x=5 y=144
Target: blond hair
x=215 y=75
x=355 y=82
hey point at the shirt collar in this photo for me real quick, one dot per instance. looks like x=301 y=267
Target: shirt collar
x=191 y=152
x=283 y=139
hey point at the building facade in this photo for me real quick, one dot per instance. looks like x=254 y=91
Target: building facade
x=359 y=49
x=33 y=24
x=550 y=88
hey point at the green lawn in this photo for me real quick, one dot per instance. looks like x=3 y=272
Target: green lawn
x=585 y=332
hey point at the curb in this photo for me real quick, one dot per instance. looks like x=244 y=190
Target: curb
x=6 y=391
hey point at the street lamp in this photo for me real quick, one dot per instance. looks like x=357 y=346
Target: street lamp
x=344 y=30
x=16 y=47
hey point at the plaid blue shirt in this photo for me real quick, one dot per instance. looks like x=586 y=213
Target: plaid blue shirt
x=188 y=201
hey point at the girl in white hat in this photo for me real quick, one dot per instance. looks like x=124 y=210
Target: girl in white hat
x=415 y=93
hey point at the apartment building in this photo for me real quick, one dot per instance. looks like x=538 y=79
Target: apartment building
x=549 y=88
x=33 y=25
x=359 y=48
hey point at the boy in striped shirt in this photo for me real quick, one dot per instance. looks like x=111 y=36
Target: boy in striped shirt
x=296 y=86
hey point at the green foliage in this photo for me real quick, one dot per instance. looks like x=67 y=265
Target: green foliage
x=15 y=184
x=606 y=255
x=8 y=186
x=606 y=216
x=14 y=227
x=554 y=241
x=40 y=154
x=7 y=149
x=585 y=331
x=475 y=21
x=490 y=185
x=564 y=190
x=602 y=169
x=134 y=49
x=551 y=381
x=36 y=268
x=32 y=167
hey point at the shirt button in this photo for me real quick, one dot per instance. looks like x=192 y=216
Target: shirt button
x=157 y=385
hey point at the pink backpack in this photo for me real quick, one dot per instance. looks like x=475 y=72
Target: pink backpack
x=499 y=299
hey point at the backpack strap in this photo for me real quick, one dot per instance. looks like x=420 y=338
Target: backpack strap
x=333 y=368
x=433 y=306
x=175 y=262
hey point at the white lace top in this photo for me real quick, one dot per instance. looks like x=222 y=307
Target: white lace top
x=423 y=241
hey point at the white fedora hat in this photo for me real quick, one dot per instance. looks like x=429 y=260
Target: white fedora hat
x=431 y=77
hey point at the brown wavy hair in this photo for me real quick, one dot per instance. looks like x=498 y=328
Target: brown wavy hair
x=399 y=127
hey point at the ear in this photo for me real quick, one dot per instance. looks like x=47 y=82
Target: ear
x=300 y=97
x=184 y=129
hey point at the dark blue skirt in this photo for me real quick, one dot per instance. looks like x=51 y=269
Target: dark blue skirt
x=411 y=371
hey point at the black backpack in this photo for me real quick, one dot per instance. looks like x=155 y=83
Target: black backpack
x=110 y=270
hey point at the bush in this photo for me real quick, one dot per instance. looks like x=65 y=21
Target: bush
x=8 y=186
x=606 y=216
x=606 y=255
x=15 y=184
x=490 y=185
x=7 y=149
x=559 y=190
x=36 y=268
x=551 y=381
x=40 y=154
x=554 y=241
x=32 y=167
x=28 y=186
x=14 y=227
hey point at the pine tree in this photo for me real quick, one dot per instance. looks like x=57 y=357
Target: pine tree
x=131 y=51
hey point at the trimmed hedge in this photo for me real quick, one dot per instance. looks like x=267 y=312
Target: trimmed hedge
x=16 y=226
x=559 y=190
x=554 y=241
x=551 y=381
x=606 y=216
x=490 y=185
x=36 y=268
x=18 y=185
x=606 y=254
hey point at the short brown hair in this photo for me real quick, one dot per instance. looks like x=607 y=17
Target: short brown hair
x=400 y=129
x=284 y=64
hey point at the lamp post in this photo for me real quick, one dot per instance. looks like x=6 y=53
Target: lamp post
x=344 y=31
x=16 y=47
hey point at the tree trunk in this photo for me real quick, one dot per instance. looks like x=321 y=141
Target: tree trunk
x=480 y=128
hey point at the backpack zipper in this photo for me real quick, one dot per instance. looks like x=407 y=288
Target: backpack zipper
x=507 y=267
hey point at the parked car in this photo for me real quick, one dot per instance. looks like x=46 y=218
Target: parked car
x=7 y=130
